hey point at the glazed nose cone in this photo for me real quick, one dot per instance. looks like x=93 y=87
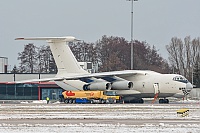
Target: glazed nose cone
x=189 y=87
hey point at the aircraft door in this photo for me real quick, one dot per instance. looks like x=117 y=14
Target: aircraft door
x=156 y=88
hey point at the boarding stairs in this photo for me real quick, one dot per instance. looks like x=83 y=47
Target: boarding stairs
x=155 y=97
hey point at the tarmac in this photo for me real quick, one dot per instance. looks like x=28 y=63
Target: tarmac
x=144 y=117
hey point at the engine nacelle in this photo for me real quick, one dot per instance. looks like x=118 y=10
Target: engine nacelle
x=97 y=86
x=122 y=85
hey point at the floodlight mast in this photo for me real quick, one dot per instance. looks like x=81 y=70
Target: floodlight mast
x=132 y=44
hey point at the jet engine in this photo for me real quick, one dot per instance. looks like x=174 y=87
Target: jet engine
x=122 y=85
x=97 y=86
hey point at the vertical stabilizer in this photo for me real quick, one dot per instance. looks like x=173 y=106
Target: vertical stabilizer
x=63 y=56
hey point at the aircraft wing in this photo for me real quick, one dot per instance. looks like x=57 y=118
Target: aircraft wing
x=103 y=75
x=124 y=73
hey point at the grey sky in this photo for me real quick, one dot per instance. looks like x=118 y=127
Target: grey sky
x=155 y=21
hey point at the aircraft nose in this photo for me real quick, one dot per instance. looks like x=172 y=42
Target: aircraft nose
x=189 y=87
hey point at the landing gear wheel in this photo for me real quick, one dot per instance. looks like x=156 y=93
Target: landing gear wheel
x=70 y=101
x=102 y=101
x=163 y=101
x=91 y=101
x=66 y=101
x=74 y=101
x=141 y=101
x=166 y=101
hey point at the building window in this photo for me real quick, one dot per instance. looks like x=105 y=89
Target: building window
x=52 y=93
x=18 y=91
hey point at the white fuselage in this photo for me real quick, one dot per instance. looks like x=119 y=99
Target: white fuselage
x=148 y=84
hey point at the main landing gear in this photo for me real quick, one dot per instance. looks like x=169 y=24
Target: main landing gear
x=135 y=101
x=163 y=100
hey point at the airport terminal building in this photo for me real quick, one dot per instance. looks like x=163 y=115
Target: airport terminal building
x=27 y=91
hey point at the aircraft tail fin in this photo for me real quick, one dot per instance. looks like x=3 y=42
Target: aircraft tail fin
x=63 y=56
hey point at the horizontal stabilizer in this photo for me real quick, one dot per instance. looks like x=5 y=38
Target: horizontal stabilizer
x=66 y=39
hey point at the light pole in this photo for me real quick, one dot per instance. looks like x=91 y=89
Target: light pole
x=132 y=47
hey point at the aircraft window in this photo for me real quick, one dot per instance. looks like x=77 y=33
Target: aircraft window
x=180 y=78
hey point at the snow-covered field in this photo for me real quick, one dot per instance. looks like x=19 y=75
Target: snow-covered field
x=110 y=118
x=100 y=128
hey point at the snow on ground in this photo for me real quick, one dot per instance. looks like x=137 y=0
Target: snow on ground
x=98 y=111
x=40 y=101
x=156 y=117
x=99 y=128
x=189 y=101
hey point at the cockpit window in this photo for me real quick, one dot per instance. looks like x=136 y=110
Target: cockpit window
x=180 y=79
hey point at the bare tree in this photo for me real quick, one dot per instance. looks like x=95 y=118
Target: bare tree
x=84 y=52
x=113 y=48
x=173 y=51
x=145 y=57
x=28 y=59
x=36 y=60
x=196 y=72
x=183 y=55
x=46 y=61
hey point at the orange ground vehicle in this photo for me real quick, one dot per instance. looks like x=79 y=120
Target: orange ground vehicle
x=89 y=97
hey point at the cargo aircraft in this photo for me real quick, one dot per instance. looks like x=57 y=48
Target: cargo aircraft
x=130 y=84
